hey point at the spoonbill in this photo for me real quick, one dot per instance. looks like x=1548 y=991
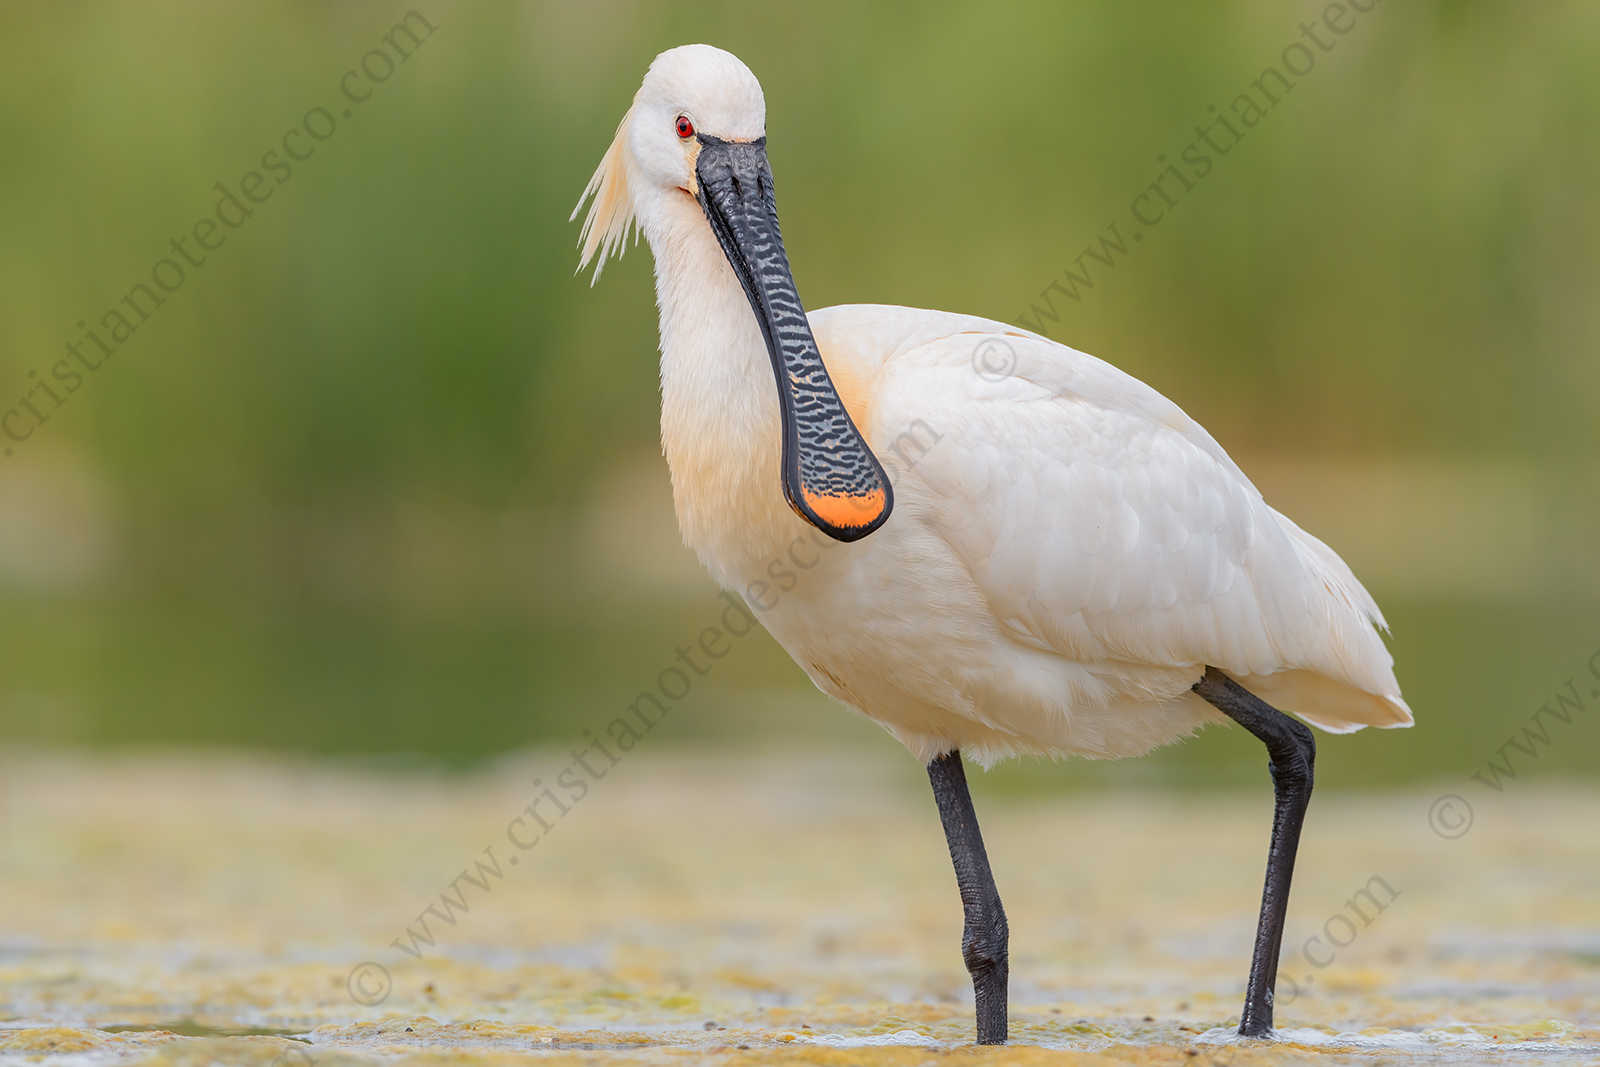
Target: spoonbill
x=1066 y=563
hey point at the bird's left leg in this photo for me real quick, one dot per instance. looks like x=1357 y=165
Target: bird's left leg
x=1291 y=752
x=985 y=937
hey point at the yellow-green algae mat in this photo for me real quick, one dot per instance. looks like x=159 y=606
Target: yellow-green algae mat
x=759 y=908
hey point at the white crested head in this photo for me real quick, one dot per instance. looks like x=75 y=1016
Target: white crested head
x=650 y=158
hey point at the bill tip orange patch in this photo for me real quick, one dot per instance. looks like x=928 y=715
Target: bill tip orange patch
x=846 y=511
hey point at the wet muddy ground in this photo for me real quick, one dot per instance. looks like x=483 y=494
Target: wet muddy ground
x=754 y=907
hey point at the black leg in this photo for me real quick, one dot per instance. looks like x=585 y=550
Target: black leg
x=984 y=939
x=1291 y=752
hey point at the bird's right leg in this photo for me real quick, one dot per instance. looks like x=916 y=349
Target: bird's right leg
x=985 y=937
x=1291 y=754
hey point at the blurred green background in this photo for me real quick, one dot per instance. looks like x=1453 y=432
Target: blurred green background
x=383 y=476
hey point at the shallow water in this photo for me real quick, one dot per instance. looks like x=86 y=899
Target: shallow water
x=750 y=906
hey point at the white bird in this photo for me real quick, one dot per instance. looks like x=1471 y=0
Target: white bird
x=1063 y=563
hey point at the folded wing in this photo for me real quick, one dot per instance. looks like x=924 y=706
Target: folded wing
x=1102 y=523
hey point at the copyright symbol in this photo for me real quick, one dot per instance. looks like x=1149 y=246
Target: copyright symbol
x=368 y=984
x=994 y=359
x=1450 y=816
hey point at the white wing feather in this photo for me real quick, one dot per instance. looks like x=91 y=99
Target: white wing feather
x=1103 y=524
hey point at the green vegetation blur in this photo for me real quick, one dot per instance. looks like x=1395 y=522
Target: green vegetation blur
x=382 y=476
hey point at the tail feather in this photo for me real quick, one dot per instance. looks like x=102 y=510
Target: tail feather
x=1353 y=685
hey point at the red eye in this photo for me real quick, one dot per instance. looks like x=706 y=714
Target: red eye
x=685 y=127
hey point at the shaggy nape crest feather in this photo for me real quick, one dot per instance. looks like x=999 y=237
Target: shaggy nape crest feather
x=605 y=228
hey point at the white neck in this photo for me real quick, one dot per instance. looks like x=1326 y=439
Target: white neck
x=720 y=419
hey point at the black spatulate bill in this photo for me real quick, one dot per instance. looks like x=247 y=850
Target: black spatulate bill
x=830 y=476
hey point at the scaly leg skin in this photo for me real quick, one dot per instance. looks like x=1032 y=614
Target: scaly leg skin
x=986 y=935
x=1292 y=752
